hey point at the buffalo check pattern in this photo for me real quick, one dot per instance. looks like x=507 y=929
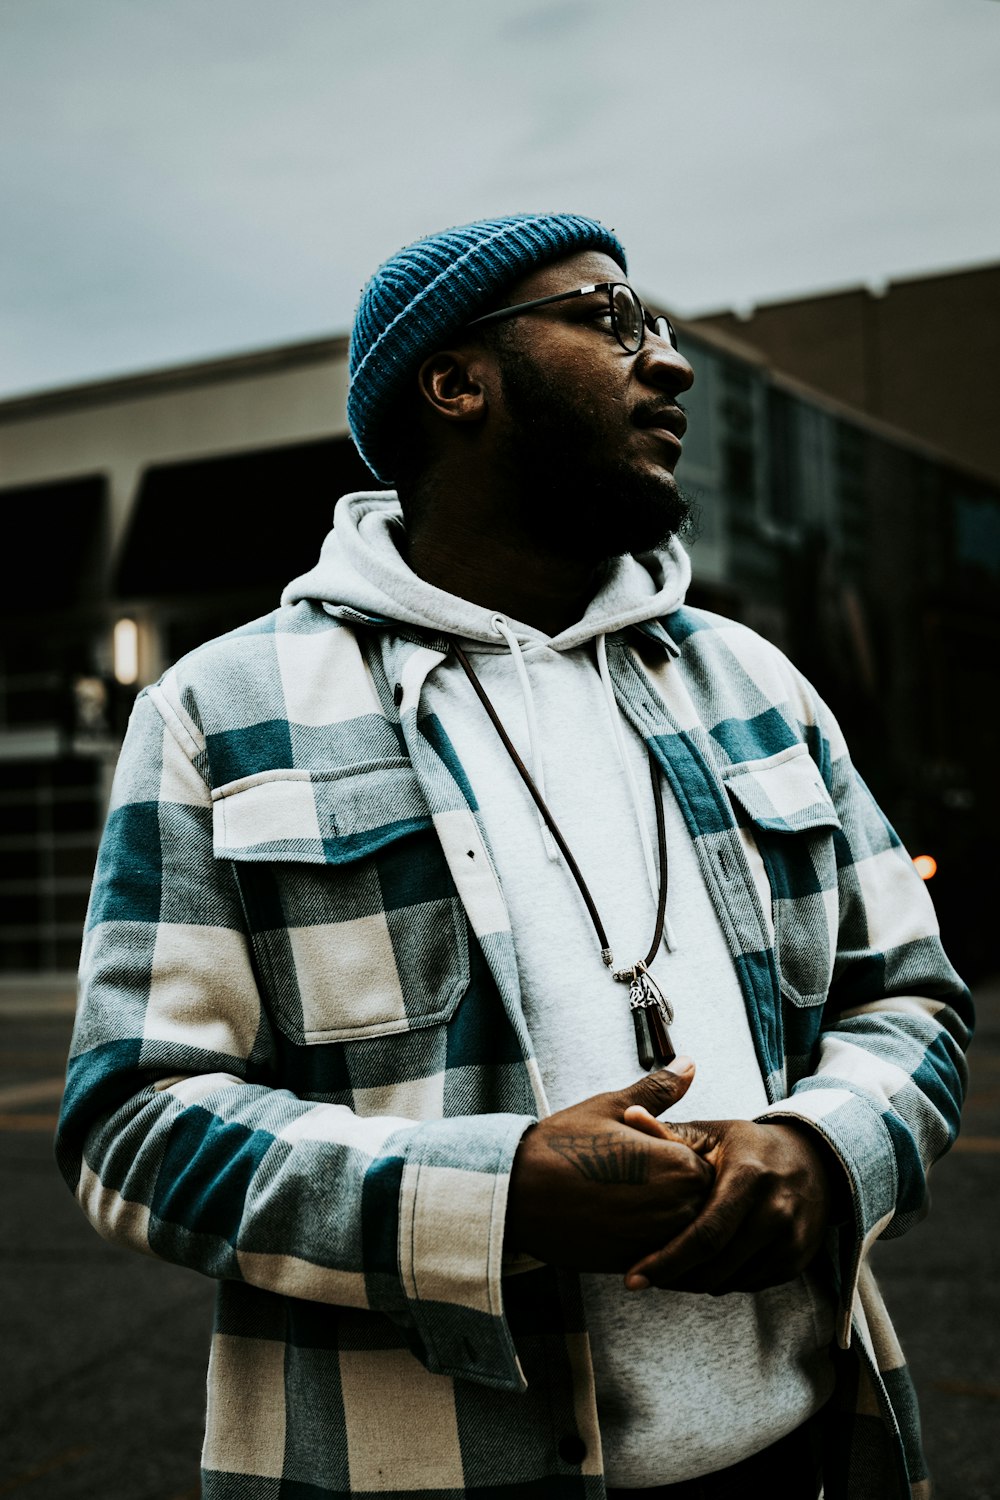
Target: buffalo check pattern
x=300 y=1063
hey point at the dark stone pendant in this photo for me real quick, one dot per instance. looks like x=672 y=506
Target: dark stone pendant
x=651 y=1017
x=652 y=1039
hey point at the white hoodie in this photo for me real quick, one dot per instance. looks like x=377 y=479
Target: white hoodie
x=686 y=1384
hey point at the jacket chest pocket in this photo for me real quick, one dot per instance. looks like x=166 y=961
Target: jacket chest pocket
x=789 y=826
x=353 y=915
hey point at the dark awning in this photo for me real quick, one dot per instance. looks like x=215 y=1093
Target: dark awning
x=54 y=536
x=238 y=521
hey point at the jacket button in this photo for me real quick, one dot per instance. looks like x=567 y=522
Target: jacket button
x=572 y=1449
x=397 y=694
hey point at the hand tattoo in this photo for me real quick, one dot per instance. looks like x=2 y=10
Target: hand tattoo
x=601 y=1159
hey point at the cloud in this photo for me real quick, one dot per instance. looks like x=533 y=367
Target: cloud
x=183 y=179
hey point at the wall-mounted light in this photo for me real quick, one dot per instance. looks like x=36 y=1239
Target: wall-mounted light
x=126 y=652
x=926 y=866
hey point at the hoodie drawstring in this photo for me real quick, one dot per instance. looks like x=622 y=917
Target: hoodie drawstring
x=499 y=624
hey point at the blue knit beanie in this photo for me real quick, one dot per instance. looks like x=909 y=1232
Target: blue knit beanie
x=426 y=293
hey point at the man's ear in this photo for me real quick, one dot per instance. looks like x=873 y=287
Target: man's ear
x=450 y=381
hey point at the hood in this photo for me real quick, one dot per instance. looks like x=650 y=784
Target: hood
x=361 y=569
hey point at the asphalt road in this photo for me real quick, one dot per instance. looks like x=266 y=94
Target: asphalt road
x=104 y=1352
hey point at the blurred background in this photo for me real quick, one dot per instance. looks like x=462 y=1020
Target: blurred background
x=192 y=198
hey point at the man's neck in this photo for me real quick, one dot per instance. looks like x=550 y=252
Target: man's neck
x=502 y=573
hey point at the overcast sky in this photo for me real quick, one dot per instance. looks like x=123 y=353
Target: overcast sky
x=187 y=178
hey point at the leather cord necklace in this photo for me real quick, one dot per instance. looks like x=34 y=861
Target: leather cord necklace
x=652 y=1013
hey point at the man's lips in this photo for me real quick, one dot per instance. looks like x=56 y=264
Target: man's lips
x=666 y=421
x=665 y=418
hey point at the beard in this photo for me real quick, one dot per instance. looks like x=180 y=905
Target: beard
x=578 y=496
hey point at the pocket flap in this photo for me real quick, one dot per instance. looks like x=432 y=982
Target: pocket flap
x=317 y=816
x=784 y=793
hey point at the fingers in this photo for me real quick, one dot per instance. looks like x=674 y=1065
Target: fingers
x=706 y=1240
x=638 y=1116
x=765 y=1259
x=750 y=1246
x=660 y=1089
x=695 y=1134
x=763 y=1222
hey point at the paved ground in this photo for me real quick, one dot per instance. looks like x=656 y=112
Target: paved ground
x=104 y=1351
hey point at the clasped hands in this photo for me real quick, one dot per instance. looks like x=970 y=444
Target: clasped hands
x=704 y=1206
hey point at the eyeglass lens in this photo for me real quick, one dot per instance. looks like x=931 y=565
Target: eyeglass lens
x=629 y=316
x=665 y=330
x=627 y=311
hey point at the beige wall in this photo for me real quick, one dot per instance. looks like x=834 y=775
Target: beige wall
x=120 y=428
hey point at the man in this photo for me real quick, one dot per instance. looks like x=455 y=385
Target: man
x=382 y=945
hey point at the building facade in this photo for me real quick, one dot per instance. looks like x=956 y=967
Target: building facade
x=920 y=353
x=145 y=515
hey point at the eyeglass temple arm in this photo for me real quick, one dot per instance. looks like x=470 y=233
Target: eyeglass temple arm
x=508 y=312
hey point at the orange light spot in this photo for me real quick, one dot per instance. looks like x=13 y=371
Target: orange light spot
x=926 y=865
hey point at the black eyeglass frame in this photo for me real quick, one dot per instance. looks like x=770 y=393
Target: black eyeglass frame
x=659 y=324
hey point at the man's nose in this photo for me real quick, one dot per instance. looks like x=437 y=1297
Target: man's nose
x=660 y=364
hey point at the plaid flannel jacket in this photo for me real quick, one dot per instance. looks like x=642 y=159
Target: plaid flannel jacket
x=300 y=1062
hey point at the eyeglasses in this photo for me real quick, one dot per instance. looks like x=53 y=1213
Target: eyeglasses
x=629 y=319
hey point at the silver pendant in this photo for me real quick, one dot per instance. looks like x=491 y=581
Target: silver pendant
x=652 y=1015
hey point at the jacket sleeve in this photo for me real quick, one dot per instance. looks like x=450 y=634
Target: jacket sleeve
x=178 y=1140
x=889 y=1074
